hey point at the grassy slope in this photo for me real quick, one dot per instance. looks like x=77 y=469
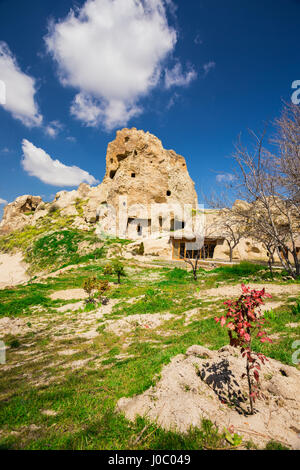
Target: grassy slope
x=85 y=398
x=52 y=243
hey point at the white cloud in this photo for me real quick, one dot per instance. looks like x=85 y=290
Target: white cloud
x=36 y=162
x=176 y=77
x=112 y=52
x=172 y=7
x=20 y=89
x=225 y=178
x=53 y=128
x=3 y=201
x=208 y=67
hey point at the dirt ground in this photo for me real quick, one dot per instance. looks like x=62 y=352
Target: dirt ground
x=209 y=384
x=132 y=321
x=69 y=294
x=235 y=291
x=12 y=270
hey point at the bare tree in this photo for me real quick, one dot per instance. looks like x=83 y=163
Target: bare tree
x=232 y=229
x=287 y=160
x=270 y=184
x=270 y=249
x=226 y=223
x=193 y=262
x=268 y=243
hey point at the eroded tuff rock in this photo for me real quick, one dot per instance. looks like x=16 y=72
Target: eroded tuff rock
x=19 y=213
x=137 y=166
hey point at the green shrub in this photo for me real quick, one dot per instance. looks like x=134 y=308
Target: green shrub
x=274 y=445
x=118 y=270
x=23 y=304
x=108 y=270
x=296 y=308
x=53 y=208
x=14 y=344
x=141 y=249
x=79 y=205
x=89 y=307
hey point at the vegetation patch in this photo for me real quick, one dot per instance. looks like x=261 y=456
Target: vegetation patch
x=60 y=249
x=107 y=366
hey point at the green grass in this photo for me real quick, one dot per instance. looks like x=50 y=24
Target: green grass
x=60 y=249
x=274 y=445
x=152 y=302
x=22 y=305
x=239 y=270
x=177 y=274
x=79 y=205
x=85 y=399
x=22 y=239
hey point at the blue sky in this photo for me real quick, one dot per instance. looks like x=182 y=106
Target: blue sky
x=195 y=73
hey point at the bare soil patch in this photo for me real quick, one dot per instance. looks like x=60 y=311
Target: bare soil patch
x=235 y=291
x=69 y=294
x=12 y=270
x=209 y=384
x=72 y=307
x=129 y=323
x=13 y=326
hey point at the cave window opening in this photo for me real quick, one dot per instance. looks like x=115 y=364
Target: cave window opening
x=168 y=193
x=112 y=174
x=132 y=175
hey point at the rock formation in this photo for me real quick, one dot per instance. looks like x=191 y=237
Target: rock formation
x=139 y=173
x=19 y=213
x=137 y=166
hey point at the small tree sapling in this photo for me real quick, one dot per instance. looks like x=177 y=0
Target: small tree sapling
x=90 y=287
x=245 y=321
x=118 y=270
x=95 y=289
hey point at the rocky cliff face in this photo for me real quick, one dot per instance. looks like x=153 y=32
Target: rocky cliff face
x=137 y=166
x=19 y=213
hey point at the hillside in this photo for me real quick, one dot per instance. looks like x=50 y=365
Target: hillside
x=70 y=362
x=111 y=343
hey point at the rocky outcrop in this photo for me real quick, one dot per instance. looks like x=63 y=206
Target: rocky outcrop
x=19 y=213
x=137 y=166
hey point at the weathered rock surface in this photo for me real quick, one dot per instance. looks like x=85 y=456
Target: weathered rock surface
x=137 y=166
x=19 y=213
x=209 y=384
x=139 y=173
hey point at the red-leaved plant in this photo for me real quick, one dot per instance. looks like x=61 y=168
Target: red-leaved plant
x=245 y=321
